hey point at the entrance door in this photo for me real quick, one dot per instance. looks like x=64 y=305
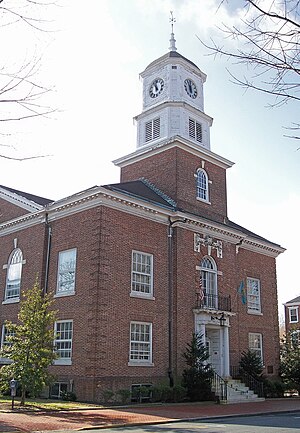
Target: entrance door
x=214 y=346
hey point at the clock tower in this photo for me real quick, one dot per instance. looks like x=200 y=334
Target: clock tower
x=173 y=101
x=173 y=149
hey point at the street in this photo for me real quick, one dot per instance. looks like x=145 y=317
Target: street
x=272 y=423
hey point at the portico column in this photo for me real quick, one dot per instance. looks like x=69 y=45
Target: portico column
x=226 y=351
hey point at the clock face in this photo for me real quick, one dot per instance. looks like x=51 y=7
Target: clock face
x=190 y=88
x=156 y=87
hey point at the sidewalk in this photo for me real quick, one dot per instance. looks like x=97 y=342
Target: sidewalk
x=18 y=421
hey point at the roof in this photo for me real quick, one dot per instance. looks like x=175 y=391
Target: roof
x=35 y=198
x=294 y=301
x=173 y=54
x=144 y=190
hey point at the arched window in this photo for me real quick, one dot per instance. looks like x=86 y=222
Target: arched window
x=208 y=271
x=202 y=185
x=14 y=272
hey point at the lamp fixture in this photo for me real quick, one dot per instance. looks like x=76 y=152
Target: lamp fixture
x=221 y=318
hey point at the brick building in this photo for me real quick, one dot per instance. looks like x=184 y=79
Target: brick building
x=137 y=267
x=292 y=315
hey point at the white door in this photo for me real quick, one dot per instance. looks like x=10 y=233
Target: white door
x=214 y=347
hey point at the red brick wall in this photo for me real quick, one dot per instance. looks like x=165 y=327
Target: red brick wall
x=173 y=172
x=9 y=211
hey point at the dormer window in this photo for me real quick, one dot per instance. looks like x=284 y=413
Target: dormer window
x=202 y=185
x=152 y=129
x=195 y=130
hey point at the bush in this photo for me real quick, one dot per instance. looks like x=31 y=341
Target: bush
x=68 y=396
x=273 y=388
x=107 y=395
x=124 y=395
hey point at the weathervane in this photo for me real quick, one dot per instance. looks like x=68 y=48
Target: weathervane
x=172 y=20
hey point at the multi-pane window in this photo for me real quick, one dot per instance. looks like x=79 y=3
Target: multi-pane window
x=66 y=271
x=58 y=389
x=142 y=274
x=140 y=342
x=209 y=282
x=255 y=344
x=195 y=130
x=202 y=185
x=253 y=295
x=63 y=340
x=13 y=278
x=152 y=129
x=6 y=333
x=293 y=314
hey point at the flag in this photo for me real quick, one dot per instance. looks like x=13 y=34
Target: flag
x=242 y=292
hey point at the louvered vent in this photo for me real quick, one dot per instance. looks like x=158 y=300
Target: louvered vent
x=152 y=129
x=195 y=130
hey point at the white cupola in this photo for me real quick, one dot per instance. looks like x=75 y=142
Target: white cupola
x=173 y=102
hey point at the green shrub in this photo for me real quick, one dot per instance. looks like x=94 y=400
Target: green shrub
x=68 y=396
x=107 y=395
x=273 y=388
x=251 y=364
x=124 y=395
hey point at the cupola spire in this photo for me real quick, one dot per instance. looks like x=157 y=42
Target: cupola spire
x=172 y=20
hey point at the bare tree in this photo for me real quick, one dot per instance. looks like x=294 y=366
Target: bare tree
x=21 y=94
x=267 y=41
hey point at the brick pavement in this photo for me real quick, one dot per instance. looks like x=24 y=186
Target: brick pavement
x=18 y=421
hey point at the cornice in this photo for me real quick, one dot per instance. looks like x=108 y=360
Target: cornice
x=18 y=200
x=146 y=151
x=180 y=104
x=99 y=196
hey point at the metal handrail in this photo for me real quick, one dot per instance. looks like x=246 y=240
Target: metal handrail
x=253 y=384
x=219 y=386
x=213 y=302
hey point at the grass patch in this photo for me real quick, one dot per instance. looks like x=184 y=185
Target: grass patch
x=44 y=404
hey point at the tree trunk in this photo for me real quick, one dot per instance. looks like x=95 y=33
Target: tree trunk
x=22 y=403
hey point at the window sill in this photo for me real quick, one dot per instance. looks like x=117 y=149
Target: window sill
x=203 y=201
x=62 y=294
x=62 y=362
x=142 y=296
x=5 y=361
x=11 y=301
x=256 y=313
x=140 y=364
x=293 y=321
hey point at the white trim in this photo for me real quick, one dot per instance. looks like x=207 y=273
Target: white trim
x=250 y=309
x=137 y=293
x=296 y=308
x=19 y=200
x=63 y=360
x=140 y=362
x=144 y=152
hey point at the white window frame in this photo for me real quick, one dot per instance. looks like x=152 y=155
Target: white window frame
x=296 y=310
x=209 y=282
x=140 y=348
x=140 y=287
x=152 y=129
x=63 y=345
x=253 y=299
x=202 y=185
x=256 y=343
x=4 y=334
x=13 y=276
x=66 y=272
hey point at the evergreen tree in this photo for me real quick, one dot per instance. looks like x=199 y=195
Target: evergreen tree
x=251 y=363
x=198 y=374
x=29 y=344
x=290 y=360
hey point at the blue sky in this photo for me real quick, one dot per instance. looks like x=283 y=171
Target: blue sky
x=94 y=60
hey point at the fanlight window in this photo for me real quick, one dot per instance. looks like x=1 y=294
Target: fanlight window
x=202 y=185
x=13 y=278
